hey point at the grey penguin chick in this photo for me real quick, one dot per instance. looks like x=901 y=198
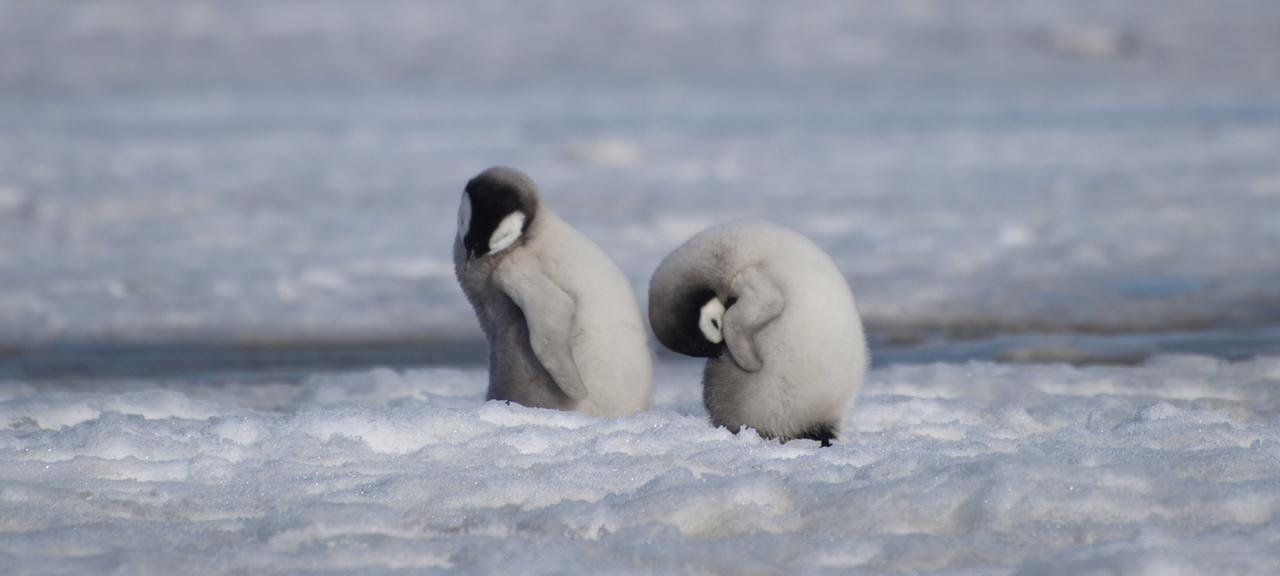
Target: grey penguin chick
x=777 y=322
x=563 y=325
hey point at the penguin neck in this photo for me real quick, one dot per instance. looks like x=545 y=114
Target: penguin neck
x=543 y=221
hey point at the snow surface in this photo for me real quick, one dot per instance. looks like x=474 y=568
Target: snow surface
x=199 y=177
x=1168 y=468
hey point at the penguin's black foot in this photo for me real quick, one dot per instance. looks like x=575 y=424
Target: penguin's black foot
x=823 y=433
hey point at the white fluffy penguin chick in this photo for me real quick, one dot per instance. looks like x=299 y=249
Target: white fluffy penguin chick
x=564 y=327
x=777 y=322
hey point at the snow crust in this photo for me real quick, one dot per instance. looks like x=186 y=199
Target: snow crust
x=1172 y=467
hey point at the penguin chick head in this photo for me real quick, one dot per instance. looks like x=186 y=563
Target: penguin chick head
x=695 y=326
x=497 y=207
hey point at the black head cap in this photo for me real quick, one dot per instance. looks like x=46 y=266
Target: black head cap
x=679 y=327
x=499 y=196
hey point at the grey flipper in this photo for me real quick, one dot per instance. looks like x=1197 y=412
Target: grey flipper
x=759 y=301
x=548 y=311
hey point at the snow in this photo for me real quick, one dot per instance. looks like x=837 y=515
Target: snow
x=1166 y=468
x=206 y=206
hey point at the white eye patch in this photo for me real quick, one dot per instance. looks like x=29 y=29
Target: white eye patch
x=711 y=321
x=464 y=216
x=507 y=232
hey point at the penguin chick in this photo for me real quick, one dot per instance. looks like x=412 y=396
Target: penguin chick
x=563 y=324
x=776 y=321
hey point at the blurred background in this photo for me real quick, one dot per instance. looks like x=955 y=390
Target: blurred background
x=191 y=185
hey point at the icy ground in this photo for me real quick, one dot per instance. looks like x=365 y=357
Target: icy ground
x=216 y=181
x=1168 y=468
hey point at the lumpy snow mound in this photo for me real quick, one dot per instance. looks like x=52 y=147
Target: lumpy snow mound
x=1168 y=468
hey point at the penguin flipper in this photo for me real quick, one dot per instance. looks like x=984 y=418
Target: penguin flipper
x=759 y=301
x=548 y=312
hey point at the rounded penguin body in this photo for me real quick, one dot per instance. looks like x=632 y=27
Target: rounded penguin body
x=777 y=322
x=562 y=322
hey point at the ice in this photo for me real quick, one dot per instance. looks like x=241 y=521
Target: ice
x=976 y=468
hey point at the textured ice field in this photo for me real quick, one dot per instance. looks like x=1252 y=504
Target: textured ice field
x=1168 y=468
x=1096 y=178
x=289 y=170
